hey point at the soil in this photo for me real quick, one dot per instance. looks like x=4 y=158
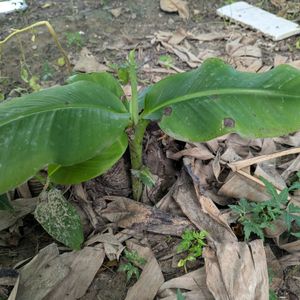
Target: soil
x=91 y=24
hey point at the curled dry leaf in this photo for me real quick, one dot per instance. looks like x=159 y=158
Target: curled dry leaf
x=237 y=271
x=175 y=6
x=186 y=198
x=194 y=282
x=127 y=213
x=88 y=63
x=83 y=266
x=151 y=278
x=22 y=207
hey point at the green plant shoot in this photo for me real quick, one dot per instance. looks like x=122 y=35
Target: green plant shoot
x=80 y=130
x=192 y=242
x=255 y=217
x=129 y=266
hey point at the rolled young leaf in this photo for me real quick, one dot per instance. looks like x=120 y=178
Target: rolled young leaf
x=216 y=99
x=63 y=125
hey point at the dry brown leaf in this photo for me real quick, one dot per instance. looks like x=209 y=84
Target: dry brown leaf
x=290 y=140
x=116 y=12
x=83 y=266
x=127 y=213
x=22 y=207
x=294 y=166
x=151 y=278
x=290 y=260
x=238 y=186
x=88 y=63
x=278 y=227
x=177 y=37
x=268 y=171
x=175 y=6
x=41 y=275
x=279 y=60
x=193 y=281
x=290 y=247
x=186 y=198
x=237 y=49
x=207 y=37
x=85 y=205
x=237 y=271
x=238 y=165
x=112 y=246
x=52 y=276
x=200 y=152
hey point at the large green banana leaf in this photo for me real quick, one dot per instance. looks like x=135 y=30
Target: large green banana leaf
x=104 y=79
x=216 y=99
x=63 y=125
x=90 y=168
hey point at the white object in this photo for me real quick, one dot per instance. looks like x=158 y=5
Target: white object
x=269 y=24
x=7 y=7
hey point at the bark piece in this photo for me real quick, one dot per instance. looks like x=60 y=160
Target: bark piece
x=127 y=213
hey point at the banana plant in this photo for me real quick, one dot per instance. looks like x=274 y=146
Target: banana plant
x=81 y=129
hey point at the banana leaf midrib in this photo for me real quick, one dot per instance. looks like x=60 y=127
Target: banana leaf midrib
x=55 y=109
x=218 y=92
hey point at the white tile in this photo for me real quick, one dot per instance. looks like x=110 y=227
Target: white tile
x=269 y=24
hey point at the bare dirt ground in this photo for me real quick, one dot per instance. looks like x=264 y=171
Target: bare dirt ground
x=98 y=35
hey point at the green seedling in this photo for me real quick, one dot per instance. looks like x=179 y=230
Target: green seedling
x=129 y=266
x=79 y=130
x=31 y=80
x=255 y=217
x=74 y=39
x=1 y=96
x=192 y=242
x=272 y=293
x=166 y=60
x=47 y=72
x=179 y=295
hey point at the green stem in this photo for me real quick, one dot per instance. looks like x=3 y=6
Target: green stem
x=134 y=111
x=136 y=156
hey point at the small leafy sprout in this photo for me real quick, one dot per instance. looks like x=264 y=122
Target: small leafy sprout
x=145 y=176
x=255 y=217
x=179 y=295
x=192 y=242
x=74 y=39
x=132 y=258
x=272 y=293
x=166 y=60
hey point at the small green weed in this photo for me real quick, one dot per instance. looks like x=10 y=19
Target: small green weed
x=272 y=293
x=31 y=80
x=166 y=60
x=179 y=295
x=74 y=39
x=48 y=71
x=229 y=1
x=132 y=258
x=255 y=217
x=192 y=242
